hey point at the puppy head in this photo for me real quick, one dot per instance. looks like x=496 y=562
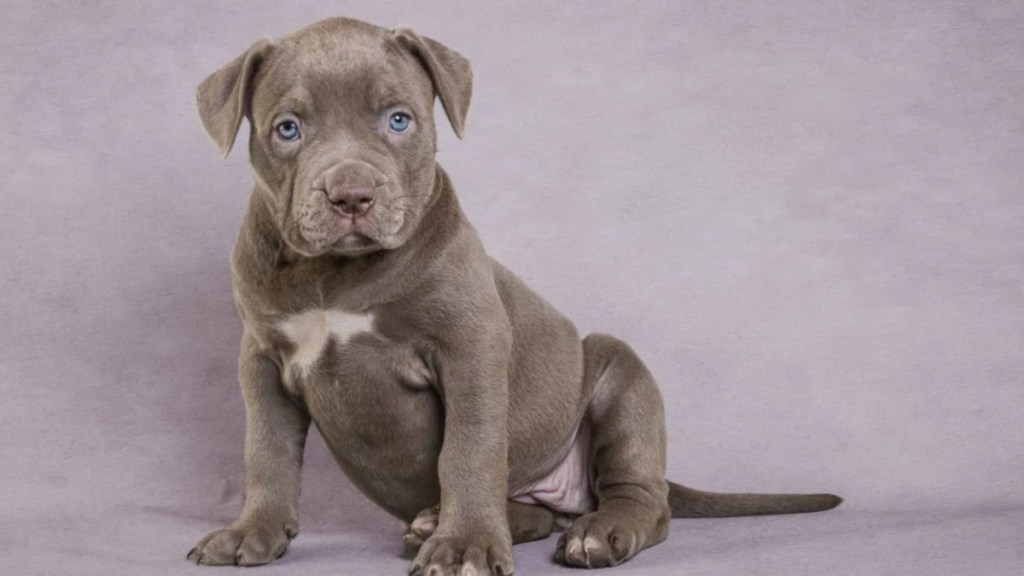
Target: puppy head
x=342 y=136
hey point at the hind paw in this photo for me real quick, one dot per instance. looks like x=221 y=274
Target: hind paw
x=600 y=539
x=421 y=528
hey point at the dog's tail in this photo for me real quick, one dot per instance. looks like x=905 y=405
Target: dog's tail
x=689 y=503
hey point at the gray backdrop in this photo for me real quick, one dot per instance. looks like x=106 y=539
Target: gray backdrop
x=806 y=216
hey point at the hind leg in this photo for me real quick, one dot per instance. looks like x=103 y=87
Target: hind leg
x=527 y=523
x=628 y=455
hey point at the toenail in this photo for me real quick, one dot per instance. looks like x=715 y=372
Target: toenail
x=573 y=547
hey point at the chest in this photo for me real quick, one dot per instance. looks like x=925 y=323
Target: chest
x=345 y=350
x=305 y=337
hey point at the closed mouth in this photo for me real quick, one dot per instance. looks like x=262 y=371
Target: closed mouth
x=354 y=243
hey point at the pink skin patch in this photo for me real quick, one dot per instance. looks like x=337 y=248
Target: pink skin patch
x=565 y=489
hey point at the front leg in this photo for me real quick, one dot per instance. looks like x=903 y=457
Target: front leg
x=275 y=436
x=472 y=535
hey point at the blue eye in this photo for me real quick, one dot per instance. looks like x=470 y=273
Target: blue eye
x=399 y=122
x=287 y=130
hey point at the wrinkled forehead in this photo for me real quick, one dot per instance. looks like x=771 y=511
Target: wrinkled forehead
x=325 y=75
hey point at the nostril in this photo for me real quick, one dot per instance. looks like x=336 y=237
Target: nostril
x=365 y=203
x=359 y=205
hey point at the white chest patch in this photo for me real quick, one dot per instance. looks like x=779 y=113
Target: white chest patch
x=309 y=331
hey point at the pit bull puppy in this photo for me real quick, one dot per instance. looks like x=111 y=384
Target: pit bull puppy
x=450 y=394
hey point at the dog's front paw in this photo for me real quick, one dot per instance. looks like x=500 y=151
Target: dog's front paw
x=243 y=544
x=466 y=553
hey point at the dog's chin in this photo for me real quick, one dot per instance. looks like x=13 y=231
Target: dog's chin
x=355 y=244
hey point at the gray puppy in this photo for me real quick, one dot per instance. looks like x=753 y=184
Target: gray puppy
x=450 y=394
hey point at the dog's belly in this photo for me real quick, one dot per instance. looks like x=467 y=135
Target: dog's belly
x=370 y=399
x=566 y=488
x=388 y=446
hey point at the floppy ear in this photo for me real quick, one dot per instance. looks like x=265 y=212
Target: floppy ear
x=223 y=98
x=449 y=71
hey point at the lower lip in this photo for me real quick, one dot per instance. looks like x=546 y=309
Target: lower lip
x=354 y=240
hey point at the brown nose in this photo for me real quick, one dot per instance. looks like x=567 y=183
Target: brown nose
x=352 y=200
